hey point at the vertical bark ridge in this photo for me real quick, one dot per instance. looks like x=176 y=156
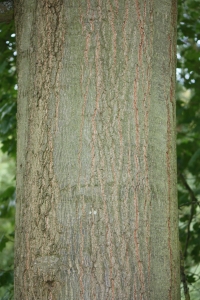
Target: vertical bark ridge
x=170 y=139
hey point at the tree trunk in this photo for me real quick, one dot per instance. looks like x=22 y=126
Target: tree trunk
x=96 y=214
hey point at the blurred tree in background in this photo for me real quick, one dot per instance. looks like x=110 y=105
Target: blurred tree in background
x=188 y=146
x=8 y=94
x=188 y=138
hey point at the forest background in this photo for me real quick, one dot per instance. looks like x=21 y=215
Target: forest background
x=188 y=146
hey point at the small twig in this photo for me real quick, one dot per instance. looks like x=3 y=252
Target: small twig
x=183 y=276
x=194 y=202
x=191 y=192
x=189 y=203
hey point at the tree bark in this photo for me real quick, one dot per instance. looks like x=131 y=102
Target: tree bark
x=96 y=213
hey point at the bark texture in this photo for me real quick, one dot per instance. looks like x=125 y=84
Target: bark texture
x=96 y=210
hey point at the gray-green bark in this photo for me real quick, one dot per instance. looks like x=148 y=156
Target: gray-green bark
x=96 y=164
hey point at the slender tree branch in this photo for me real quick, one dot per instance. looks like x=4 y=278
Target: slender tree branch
x=194 y=202
x=6 y=11
x=191 y=192
x=183 y=276
x=189 y=203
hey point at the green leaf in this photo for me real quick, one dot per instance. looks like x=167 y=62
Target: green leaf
x=191 y=278
x=194 y=158
x=6 y=277
x=3 y=242
x=7 y=194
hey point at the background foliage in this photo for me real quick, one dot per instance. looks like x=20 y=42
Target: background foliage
x=8 y=93
x=188 y=138
x=188 y=146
